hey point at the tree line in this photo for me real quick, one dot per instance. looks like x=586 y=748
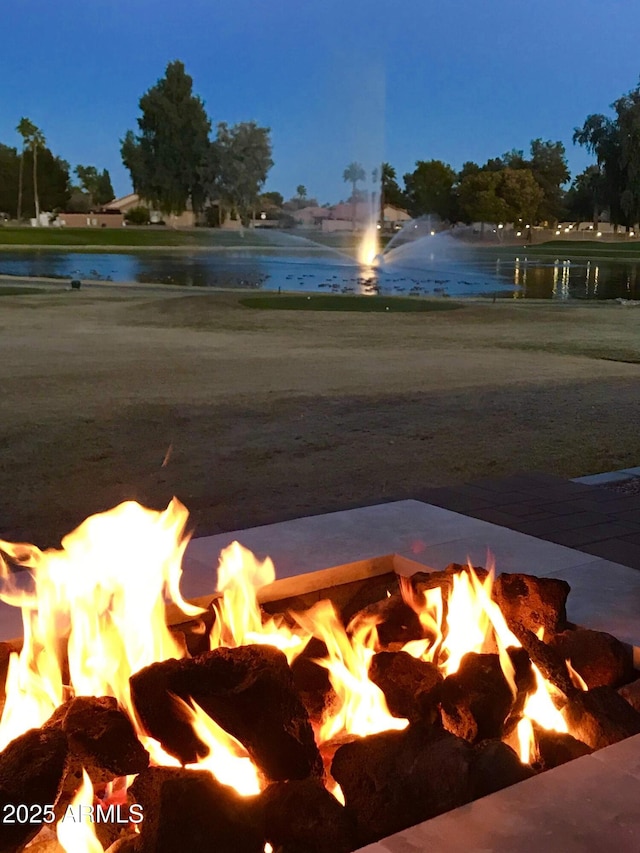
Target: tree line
x=32 y=179
x=174 y=163
x=530 y=189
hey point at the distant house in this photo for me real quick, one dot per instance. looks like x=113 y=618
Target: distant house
x=92 y=219
x=342 y=216
x=310 y=217
x=128 y=202
x=393 y=216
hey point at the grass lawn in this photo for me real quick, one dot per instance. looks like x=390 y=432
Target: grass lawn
x=270 y=415
x=579 y=248
x=18 y=291
x=333 y=302
x=127 y=237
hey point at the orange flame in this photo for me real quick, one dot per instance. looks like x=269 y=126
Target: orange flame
x=475 y=622
x=103 y=596
x=362 y=709
x=75 y=830
x=238 y=617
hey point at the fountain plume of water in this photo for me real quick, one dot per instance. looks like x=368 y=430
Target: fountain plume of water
x=369 y=248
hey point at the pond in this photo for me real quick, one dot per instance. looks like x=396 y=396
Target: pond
x=418 y=270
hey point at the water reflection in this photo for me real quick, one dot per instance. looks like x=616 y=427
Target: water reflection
x=480 y=272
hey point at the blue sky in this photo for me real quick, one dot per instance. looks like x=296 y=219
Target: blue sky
x=336 y=80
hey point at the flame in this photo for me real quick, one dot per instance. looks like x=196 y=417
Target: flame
x=362 y=709
x=238 y=617
x=474 y=623
x=98 y=602
x=336 y=790
x=576 y=679
x=526 y=740
x=75 y=830
x=227 y=759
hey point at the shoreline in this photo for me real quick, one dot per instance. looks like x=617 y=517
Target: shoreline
x=56 y=285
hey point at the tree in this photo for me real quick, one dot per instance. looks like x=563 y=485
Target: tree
x=274 y=198
x=353 y=174
x=480 y=199
x=548 y=165
x=240 y=160
x=301 y=192
x=522 y=195
x=26 y=128
x=390 y=192
x=53 y=186
x=429 y=189
x=166 y=157
x=585 y=198
x=96 y=184
x=53 y=180
x=10 y=165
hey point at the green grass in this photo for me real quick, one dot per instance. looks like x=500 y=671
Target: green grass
x=19 y=291
x=346 y=303
x=581 y=248
x=126 y=237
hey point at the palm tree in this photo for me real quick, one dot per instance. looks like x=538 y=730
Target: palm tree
x=37 y=141
x=387 y=177
x=302 y=191
x=351 y=175
x=26 y=129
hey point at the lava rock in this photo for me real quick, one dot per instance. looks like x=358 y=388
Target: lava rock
x=600 y=717
x=496 y=766
x=312 y=681
x=631 y=693
x=410 y=686
x=352 y=597
x=100 y=734
x=194 y=634
x=547 y=658
x=525 y=680
x=248 y=691
x=303 y=817
x=476 y=700
x=600 y=659
x=394 y=780
x=101 y=741
x=190 y=810
x=532 y=602
x=556 y=748
x=32 y=768
x=396 y=622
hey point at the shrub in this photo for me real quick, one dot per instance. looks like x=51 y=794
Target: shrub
x=137 y=216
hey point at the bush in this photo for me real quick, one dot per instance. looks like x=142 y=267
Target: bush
x=137 y=216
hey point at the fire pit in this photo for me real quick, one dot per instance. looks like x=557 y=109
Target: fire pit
x=259 y=710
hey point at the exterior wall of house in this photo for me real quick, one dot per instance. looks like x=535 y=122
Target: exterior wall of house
x=90 y=220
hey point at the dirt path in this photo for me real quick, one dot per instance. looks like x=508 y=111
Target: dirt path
x=275 y=414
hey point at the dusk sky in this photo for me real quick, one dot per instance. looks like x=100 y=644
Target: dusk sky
x=335 y=80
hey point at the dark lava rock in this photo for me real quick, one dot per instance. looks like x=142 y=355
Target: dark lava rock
x=394 y=780
x=397 y=623
x=303 y=817
x=189 y=810
x=600 y=717
x=495 y=766
x=556 y=748
x=410 y=685
x=601 y=659
x=249 y=691
x=532 y=602
x=476 y=700
x=312 y=681
x=32 y=768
